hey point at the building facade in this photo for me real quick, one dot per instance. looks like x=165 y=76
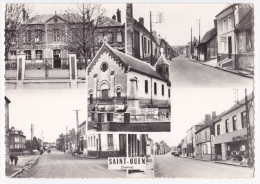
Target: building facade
x=120 y=84
x=17 y=141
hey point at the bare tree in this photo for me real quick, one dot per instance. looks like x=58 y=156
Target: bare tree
x=82 y=25
x=15 y=16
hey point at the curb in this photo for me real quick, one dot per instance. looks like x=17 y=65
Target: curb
x=223 y=69
x=86 y=157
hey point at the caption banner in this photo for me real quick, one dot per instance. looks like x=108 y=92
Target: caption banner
x=122 y=163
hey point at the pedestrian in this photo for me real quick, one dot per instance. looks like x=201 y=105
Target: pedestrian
x=11 y=158
x=15 y=159
x=64 y=151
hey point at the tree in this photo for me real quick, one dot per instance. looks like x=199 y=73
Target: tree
x=15 y=15
x=82 y=25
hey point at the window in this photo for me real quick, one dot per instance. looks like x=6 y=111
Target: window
x=110 y=37
x=249 y=40
x=227 y=125
x=28 y=36
x=243 y=119
x=234 y=123
x=145 y=45
x=146 y=86
x=118 y=93
x=155 y=88
x=88 y=142
x=104 y=66
x=27 y=55
x=13 y=53
x=229 y=23
x=91 y=141
x=148 y=46
x=206 y=135
x=38 y=35
x=56 y=35
x=167 y=69
x=218 y=129
x=119 y=36
x=94 y=141
x=223 y=45
x=110 y=141
x=224 y=25
x=38 y=54
x=162 y=90
x=104 y=93
x=91 y=98
x=205 y=149
x=169 y=93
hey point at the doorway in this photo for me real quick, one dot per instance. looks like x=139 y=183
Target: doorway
x=56 y=58
x=229 y=47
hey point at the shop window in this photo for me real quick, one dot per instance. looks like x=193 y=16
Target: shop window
x=28 y=55
x=162 y=90
x=227 y=125
x=155 y=88
x=119 y=36
x=146 y=86
x=234 y=123
x=38 y=54
x=243 y=119
x=249 y=40
x=104 y=93
x=218 y=129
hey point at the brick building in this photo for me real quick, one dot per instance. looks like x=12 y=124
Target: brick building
x=119 y=84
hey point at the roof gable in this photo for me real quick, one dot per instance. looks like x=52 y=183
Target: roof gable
x=247 y=19
x=209 y=35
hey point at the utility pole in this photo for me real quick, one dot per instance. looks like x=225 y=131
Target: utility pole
x=151 y=32
x=249 y=143
x=191 y=43
x=199 y=43
x=77 y=124
x=31 y=136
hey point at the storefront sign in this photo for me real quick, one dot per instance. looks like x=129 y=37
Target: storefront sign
x=151 y=111
x=240 y=137
x=124 y=163
x=110 y=107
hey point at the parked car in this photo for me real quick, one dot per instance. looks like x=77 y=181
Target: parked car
x=175 y=153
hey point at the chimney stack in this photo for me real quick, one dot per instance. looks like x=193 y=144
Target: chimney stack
x=129 y=10
x=114 y=17
x=207 y=118
x=141 y=20
x=118 y=15
x=214 y=115
x=215 y=23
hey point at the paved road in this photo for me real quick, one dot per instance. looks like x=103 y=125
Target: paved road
x=186 y=73
x=178 y=167
x=60 y=165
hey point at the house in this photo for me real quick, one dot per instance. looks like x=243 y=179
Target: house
x=235 y=36
x=234 y=133
x=122 y=88
x=82 y=136
x=184 y=146
x=17 y=141
x=7 y=132
x=149 y=147
x=208 y=47
x=141 y=43
x=203 y=135
x=106 y=145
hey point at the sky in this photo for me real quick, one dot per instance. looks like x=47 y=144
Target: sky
x=178 y=18
x=50 y=111
x=189 y=106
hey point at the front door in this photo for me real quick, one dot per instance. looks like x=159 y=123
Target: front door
x=229 y=47
x=56 y=59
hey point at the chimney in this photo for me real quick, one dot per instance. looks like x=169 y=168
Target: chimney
x=215 y=23
x=118 y=13
x=207 y=118
x=141 y=20
x=129 y=10
x=114 y=17
x=214 y=115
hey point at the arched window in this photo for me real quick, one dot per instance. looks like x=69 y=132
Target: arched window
x=91 y=97
x=118 y=93
x=104 y=90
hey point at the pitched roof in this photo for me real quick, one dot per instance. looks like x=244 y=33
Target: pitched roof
x=209 y=35
x=131 y=62
x=247 y=19
x=162 y=61
x=107 y=21
x=227 y=7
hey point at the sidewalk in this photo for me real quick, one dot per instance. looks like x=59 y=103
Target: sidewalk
x=148 y=173
x=226 y=162
x=214 y=64
x=24 y=162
